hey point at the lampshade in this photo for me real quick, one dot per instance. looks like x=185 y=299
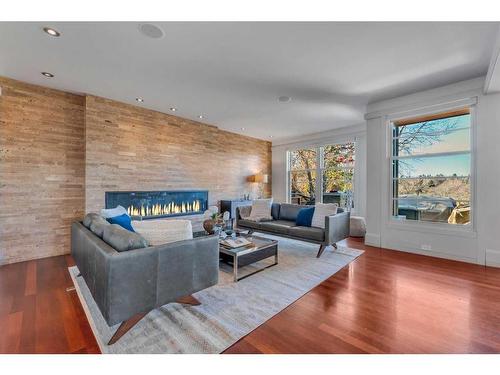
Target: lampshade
x=260 y=178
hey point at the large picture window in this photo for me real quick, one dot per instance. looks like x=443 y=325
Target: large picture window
x=431 y=168
x=326 y=172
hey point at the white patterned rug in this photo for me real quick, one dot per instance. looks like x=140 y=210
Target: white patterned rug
x=228 y=311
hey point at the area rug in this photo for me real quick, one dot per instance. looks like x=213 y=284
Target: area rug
x=228 y=310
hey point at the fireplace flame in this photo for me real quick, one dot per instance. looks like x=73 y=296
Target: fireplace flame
x=165 y=209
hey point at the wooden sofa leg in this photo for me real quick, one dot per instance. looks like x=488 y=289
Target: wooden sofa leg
x=322 y=248
x=125 y=327
x=250 y=231
x=189 y=300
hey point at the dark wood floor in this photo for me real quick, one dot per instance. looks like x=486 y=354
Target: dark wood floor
x=383 y=302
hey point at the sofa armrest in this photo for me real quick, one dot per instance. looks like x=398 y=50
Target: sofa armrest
x=186 y=267
x=337 y=227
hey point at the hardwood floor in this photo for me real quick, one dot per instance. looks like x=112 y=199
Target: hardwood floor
x=383 y=302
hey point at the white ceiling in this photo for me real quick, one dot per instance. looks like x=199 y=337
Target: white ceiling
x=233 y=73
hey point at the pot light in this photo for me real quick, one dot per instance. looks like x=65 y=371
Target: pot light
x=242 y=128
x=200 y=116
x=140 y=100
x=51 y=32
x=284 y=99
x=48 y=75
x=173 y=109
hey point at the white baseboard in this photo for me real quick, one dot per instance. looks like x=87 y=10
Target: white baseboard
x=372 y=239
x=493 y=258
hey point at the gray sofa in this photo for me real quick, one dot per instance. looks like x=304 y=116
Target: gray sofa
x=283 y=224
x=126 y=285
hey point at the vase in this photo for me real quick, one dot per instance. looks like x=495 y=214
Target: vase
x=208 y=225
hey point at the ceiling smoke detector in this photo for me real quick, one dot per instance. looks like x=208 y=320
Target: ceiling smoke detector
x=284 y=99
x=151 y=31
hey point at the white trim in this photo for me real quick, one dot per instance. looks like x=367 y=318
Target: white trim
x=319 y=138
x=494 y=65
x=443 y=94
x=402 y=113
x=372 y=239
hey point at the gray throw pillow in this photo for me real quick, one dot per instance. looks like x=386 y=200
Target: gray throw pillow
x=121 y=239
x=87 y=220
x=98 y=224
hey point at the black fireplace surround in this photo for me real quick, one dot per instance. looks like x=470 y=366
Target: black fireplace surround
x=144 y=205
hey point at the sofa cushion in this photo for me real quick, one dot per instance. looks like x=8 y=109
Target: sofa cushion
x=121 y=239
x=289 y=211
x=123 y=221
x=304 y=217
x=87 y=220
x=98 y=225
x=310 y=233
x=161 y=231
x=275 y=211
x=248 y=223
x=277 y=226
x=261 y=209
x=321 y=210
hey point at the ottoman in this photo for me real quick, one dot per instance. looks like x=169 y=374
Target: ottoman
x=357 y=226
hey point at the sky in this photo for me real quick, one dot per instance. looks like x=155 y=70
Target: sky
x=458 y=140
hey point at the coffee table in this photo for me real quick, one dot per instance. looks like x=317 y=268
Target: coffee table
x=261 y=248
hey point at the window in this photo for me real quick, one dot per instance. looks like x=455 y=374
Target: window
x=431 y=165
x=302 y=176
x=326 y=172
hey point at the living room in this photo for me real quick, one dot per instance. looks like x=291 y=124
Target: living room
x=298 y=187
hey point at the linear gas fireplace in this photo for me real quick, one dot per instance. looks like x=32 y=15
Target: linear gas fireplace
x=145 y=205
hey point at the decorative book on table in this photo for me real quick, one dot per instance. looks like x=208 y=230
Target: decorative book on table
x=236 y=242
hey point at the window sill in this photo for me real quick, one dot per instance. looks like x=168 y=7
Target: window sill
x=466 y=231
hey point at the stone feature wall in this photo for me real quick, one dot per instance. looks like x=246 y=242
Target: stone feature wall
x=60 y=152
x=42 y=170
x=131 y=148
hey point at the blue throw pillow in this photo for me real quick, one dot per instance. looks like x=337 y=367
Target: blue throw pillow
x=305 y=216
x=123 y=221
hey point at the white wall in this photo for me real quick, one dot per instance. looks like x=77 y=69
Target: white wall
x=481 y=245
x=355 y=132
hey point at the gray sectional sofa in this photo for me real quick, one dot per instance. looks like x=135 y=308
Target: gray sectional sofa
x=129 y=280
x=283 y=224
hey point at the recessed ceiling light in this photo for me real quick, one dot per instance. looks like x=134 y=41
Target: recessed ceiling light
x=200 y=116
x=51 y=31
x=47 y=74
x=270 y=136
x=140 y=100
x=284 y=99
x=173 y=109
x=242 y=128
x=151 y=31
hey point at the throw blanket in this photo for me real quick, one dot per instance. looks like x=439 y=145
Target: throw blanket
x=246 y=213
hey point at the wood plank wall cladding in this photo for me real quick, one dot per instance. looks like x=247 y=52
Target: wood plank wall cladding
x=42 y=170
x=131 y=148
x=60 y=152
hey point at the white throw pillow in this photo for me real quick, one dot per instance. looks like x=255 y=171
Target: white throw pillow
x=261 y=210
x=320 y=211
x=161 y=231
x=108 y=213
